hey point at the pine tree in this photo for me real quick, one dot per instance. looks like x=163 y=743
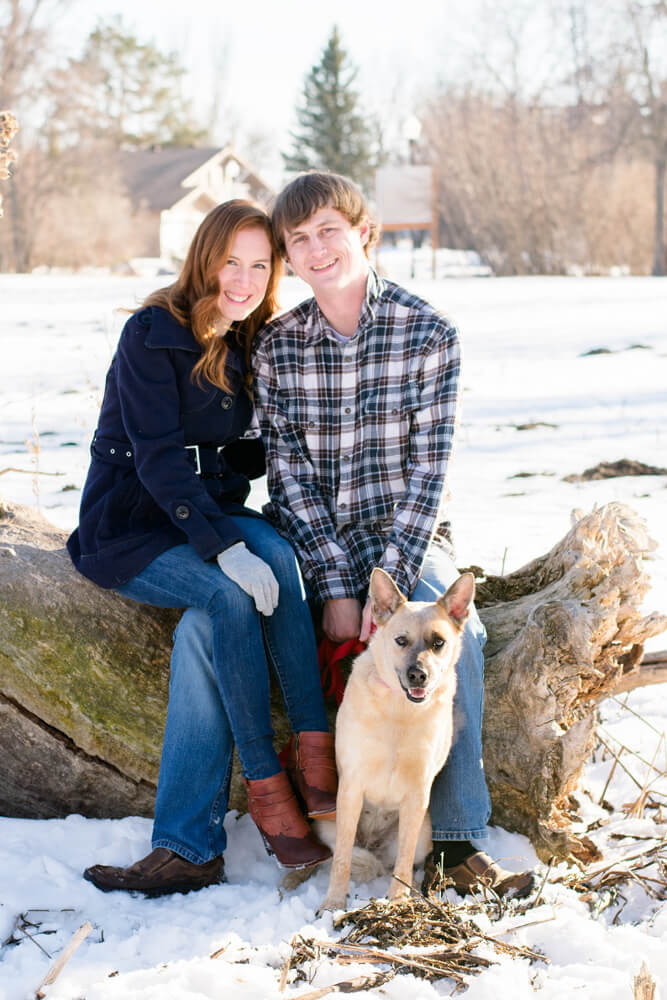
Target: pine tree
x=333 y=134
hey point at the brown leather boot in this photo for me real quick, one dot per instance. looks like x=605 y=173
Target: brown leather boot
x=284 y=829
x=476 y=873
x=159 y=873
x=311 y=766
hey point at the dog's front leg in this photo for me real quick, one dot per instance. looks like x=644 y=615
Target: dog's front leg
x=410 y=820
x=349 y=803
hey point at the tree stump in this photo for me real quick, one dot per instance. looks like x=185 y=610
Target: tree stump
x=84 y=675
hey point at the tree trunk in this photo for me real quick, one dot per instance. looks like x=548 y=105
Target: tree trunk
x=84 y=675
x=659 y=236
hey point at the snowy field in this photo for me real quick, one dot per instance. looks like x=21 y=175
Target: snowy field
x=524 y=342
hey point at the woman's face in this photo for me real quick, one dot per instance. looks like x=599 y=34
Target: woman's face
x=245 y=274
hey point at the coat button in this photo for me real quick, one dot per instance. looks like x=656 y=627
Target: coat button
x=182 y=512
x=226 y=402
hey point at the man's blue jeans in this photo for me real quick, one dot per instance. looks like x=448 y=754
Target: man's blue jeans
x=219 y=686
x=460 y=805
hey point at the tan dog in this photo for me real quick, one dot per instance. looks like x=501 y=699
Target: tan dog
x=394 y=727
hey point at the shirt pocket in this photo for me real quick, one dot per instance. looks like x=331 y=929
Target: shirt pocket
x=305 y=425
x=387 y=412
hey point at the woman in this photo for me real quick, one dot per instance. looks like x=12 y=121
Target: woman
x=162 y=521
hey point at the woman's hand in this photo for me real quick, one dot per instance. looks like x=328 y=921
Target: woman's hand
x=252 y=575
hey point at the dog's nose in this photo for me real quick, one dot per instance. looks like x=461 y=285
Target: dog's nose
x=416 y=676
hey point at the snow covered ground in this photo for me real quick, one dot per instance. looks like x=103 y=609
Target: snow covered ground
x=525 y=341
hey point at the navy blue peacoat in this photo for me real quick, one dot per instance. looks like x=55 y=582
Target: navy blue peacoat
x=142 y=494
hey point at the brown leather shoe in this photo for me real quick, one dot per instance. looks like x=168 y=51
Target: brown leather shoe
x=311 y=766
x=284 y=829
x=159 y=873
x=476 y=873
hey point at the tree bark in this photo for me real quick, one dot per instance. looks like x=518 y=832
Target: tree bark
x=565 y=631
x=84 y=676
x=659 y=221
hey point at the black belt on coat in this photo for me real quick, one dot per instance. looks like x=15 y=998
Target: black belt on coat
x=205 y=459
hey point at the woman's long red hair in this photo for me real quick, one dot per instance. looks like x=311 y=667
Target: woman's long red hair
x=193 y=298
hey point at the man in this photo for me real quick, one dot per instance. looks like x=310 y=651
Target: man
x=357 y=393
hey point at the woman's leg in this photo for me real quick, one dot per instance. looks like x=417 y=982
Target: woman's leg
x=196 y=763
x=290 y=643
x=288 y=632
x=180 y=578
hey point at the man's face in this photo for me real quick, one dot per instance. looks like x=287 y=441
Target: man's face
x=327 y=252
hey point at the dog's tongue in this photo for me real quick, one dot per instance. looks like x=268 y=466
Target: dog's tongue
x=417 y=692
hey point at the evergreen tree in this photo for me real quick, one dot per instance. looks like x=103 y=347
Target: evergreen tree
x=333 y=134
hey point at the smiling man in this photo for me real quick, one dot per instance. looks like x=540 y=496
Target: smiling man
x=357 y=394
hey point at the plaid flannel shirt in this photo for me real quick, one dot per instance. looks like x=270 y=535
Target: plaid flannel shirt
x=358 y=436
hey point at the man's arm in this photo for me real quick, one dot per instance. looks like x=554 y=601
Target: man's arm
x=296 y=500
x=429 y=448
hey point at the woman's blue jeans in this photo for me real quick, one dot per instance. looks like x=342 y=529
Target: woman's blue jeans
x=220 y=686
x=460 y=805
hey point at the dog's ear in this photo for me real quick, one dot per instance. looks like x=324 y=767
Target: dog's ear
x=459 y=597
x=385 y=596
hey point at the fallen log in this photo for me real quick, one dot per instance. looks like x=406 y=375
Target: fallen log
x=565 y=631
x=84 y=675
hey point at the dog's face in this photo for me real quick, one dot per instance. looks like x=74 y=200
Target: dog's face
x=416 y=642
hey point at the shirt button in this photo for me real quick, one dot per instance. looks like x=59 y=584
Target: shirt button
x=311 y=423
x=394 y=412
x=346 y=458
x=226 y=402
x=348 y=409
x=342 y=506
x=112 y=451
x=128 y=454
x=182 y=512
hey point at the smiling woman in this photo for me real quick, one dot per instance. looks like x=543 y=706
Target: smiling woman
x=163 y=521
x=244 y=276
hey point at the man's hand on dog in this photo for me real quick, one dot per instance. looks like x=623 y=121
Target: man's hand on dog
x=341 y=618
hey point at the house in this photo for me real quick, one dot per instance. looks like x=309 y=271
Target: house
x=177 y=187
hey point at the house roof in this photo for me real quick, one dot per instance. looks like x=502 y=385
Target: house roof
x=154 y=177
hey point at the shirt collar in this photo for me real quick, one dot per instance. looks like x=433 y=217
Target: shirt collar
x=315 y=327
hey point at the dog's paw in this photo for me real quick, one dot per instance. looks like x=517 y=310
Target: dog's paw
x=331 y=903
x=293 y=878
x=397 y=890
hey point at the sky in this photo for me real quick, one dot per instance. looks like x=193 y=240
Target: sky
x=251 y=58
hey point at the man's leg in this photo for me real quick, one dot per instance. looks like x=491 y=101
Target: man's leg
x=460 y=804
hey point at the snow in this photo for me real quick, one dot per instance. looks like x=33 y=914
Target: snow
x=523 y=341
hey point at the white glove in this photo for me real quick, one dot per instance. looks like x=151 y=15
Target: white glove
x=252 y=574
